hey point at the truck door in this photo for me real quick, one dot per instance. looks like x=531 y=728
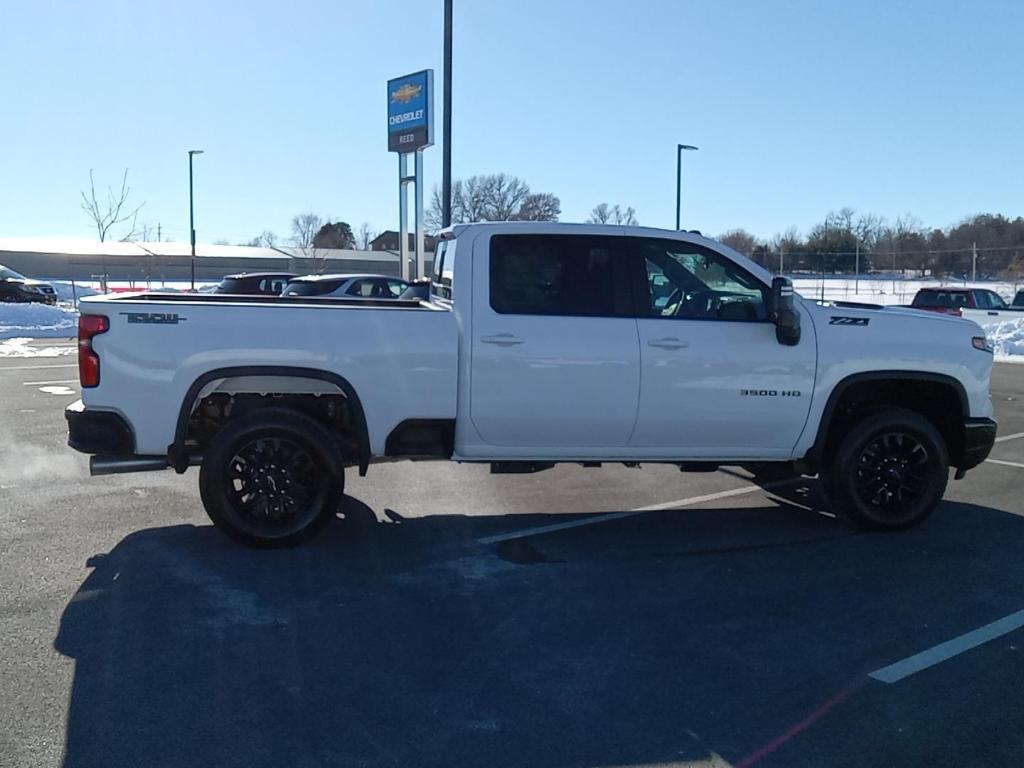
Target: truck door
x=555 y=355
x=716 y=382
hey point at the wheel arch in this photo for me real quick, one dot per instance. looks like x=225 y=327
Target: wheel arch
x=906 y=389
x=260 y=376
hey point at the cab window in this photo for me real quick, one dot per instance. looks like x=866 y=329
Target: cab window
x=688 y=281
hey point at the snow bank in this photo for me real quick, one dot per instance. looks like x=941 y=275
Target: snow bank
x=64 y=292
x=38 y=321
x=1007 y=340
x=21 y=348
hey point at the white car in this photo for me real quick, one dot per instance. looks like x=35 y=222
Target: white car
x=540 y=343
x=346 y=286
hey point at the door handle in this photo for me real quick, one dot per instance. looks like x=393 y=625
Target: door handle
x=994 y=314
x=502 y=340
x=668 y=343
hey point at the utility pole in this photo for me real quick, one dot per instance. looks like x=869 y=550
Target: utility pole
x=974 y=262
x=158 y=237
x=782 y=258
x=446 y=128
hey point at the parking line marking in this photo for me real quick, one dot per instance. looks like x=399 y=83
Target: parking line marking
x=947 y=650
x=1004 y=463
x=1015 y=436
x=55 y=381
x=609 y=516
x=34 y=367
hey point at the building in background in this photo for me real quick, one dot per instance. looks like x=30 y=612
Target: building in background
x=150 y=264
x=388 y=241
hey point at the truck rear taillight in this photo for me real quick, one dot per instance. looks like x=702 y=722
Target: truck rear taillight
x=88 y=361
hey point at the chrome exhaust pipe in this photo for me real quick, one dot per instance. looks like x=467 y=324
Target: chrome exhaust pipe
x=115 y=465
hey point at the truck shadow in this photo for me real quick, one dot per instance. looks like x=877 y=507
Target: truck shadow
x=665 y=638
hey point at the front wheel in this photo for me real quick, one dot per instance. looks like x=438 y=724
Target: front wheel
x=271 y=478
x=889 y=471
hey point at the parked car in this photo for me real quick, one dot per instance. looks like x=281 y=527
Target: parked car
x=951 y=301
x=255 y=283
x=346 y=286
x=15 y=287
x=541 y=343
x=1018 y=300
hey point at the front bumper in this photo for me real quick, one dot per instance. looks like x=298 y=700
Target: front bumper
x=979 y=437
x=101 y=433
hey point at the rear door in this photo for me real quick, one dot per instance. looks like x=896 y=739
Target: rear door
x=715 y=380
x=555 y=357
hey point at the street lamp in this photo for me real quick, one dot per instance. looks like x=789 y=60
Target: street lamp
x=191 y=213
x=679 y=177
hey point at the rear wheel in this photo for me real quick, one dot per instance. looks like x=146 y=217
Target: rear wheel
x=271 y=477
x=889 y=471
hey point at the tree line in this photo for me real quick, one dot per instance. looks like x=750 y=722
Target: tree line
x=845 y=242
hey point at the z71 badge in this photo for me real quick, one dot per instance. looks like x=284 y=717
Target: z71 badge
x=154 y=318
x=848 y=320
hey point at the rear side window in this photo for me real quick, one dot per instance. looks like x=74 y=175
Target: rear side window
x=552 y=275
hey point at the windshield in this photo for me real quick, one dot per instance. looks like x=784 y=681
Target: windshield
x=10 y=274
x=941 y=299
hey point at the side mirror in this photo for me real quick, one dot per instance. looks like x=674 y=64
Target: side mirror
x=782 y=312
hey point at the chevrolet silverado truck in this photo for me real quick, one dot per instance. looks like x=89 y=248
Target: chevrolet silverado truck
x=539 y=343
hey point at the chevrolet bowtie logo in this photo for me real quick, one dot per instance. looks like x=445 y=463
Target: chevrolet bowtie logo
x=406 y=93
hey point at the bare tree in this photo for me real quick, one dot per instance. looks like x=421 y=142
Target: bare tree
x=304 y=229
x=493 y=197
x=539 y=206
x=613 y=214
x=113 y=211
x=265 y=239
x=740 y=240
x=365 y=235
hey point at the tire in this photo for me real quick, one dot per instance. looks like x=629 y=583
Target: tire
x=271 y=478
x=889 y=471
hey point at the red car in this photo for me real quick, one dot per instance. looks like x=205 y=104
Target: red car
x=950 y=301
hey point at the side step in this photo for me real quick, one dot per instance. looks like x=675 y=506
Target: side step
x=115 y=465
x=519 y=467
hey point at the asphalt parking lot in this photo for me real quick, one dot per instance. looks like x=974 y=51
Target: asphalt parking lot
x=455 y=617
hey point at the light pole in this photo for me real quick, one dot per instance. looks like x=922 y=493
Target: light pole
x=446 y=131
x=192 y=214
x=679 y=178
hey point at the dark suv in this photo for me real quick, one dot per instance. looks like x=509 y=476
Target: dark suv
x=255 y=283
x=18 y=288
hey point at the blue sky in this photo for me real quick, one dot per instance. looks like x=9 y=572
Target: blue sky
x=798 y=107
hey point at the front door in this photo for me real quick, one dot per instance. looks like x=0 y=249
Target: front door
x=555 y=356
x=716 y=382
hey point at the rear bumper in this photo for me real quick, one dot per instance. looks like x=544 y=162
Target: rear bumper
x=979 y=437
x=102 y=433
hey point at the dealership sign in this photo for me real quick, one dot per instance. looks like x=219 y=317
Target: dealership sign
x=410 y=112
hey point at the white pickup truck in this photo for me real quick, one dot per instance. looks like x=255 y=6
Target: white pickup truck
x=540 y=343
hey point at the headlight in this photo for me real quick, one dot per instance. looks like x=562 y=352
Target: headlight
x=981 y=342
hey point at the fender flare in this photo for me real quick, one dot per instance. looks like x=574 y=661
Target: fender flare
x=178 y=456
x=813 y=456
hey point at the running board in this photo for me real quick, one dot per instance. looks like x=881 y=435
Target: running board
x=116 y=465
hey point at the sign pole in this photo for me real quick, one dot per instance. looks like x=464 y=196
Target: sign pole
x=420 y=256
x=403 y=215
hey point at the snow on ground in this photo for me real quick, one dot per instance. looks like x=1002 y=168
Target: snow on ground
x=21 y=348
x=1007 y=340
x=68 y=293
x=882 y=290
x=37 y=320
